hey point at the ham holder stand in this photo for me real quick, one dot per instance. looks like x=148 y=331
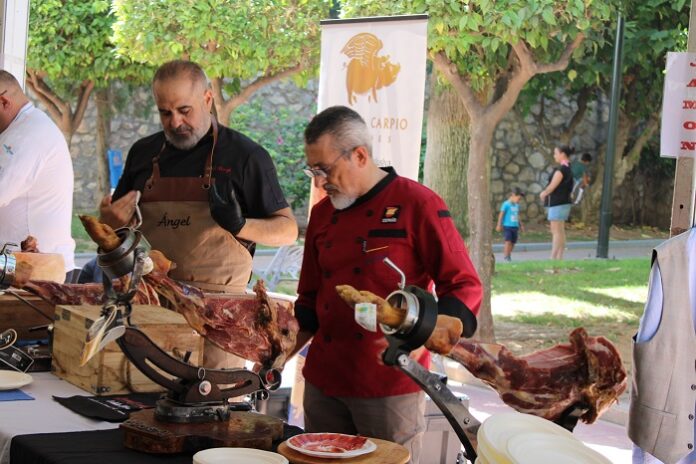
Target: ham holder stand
x=421 y=317
x=195 y=395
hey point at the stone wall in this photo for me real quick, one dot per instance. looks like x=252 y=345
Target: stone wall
x=522 y=153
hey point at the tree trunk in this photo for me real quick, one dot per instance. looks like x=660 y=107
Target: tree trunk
x=103 y=102
x=446 y=152
x=480 y=217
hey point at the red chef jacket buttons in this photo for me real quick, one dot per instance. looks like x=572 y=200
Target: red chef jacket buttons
x=327 y=338
x=334 y=219
x=356 y=270
x=327 y=244
x=358 y=336
x=327 y=274
x=370 y=213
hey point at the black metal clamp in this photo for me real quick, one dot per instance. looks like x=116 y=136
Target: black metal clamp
x=421 y=318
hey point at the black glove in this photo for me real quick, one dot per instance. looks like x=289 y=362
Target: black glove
x=225 y=208
x=452 y=306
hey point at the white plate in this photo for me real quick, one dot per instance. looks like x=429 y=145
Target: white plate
x=368 y=446
x=495 y=432
x=237 y=455
x=535 y=448
x=9 y=380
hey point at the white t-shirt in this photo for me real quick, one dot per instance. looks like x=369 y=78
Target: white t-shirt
x=36 y=184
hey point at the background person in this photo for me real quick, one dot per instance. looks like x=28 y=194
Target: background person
x=369 y=214
x=556 y=198
x=209 y=193
x=36 y=175
x=581 y=178
x=509 y=222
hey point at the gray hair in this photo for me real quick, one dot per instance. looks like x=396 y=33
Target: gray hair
x=345 y=125
x=180 y=68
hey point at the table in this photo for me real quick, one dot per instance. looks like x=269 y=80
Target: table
x=42 y=415
x=386 y=453
x=43 y=431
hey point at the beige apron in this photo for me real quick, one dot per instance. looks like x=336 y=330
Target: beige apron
x=177 y=221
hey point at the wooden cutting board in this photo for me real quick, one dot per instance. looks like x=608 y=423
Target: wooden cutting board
x=387 y=452
x=143 y=432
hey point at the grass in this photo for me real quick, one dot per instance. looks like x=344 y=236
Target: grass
x=604 y=296
x=569 y=293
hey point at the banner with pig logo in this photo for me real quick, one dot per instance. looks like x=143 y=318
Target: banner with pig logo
x=377 y=67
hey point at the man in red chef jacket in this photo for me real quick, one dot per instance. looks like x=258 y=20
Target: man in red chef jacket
x=370 y=213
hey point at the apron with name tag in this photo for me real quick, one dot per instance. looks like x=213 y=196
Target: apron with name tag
x=177 y=222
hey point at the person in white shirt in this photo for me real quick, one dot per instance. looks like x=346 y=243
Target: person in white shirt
x=36 y=175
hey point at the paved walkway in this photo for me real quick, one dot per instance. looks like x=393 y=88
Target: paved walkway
x=579 y=250
x=523 y=251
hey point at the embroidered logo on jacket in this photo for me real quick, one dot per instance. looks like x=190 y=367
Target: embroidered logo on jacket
x=174 y=223
x=391 y=214
x=8 y=149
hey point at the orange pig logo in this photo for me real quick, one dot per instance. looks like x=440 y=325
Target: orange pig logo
x=367 y=72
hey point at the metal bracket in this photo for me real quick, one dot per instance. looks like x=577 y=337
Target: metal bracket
x=465 y=425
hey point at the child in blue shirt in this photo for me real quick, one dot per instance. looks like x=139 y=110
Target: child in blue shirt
x=509 y=222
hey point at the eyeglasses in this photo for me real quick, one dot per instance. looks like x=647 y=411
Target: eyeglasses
x=325 y=171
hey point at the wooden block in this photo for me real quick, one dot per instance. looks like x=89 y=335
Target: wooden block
x=44 y=266
x=15 y=314
x=109 y=372
x=143 y=432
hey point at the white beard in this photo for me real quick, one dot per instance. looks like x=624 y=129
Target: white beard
x=341 y=201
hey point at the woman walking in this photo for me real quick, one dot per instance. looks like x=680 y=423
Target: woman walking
x=556 y=197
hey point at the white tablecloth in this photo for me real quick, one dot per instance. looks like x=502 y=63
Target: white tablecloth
x=43 y=415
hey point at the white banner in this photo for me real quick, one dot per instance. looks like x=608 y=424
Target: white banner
x=678 y=135
x=376 y=66
x=14 y=20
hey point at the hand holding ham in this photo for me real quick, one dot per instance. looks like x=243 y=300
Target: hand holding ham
x=118 y=213
x=447 y=330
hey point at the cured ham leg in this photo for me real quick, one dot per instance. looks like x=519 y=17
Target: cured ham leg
x=545 y=383
x=254 y=327
x=102 y=234
x=447 y=330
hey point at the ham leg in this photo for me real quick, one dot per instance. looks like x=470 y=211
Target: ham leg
x=545 y=383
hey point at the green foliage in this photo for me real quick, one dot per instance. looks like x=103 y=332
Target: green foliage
x=228 y=38
x=281 y=133
x=477 y=35
x=652 y=28
x=70 y=42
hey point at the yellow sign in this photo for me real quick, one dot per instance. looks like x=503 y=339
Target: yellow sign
x=366 y=71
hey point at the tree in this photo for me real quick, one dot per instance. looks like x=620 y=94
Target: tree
x=70 y=53
x=487 y=51
x=242 y=45
x=653 y=28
